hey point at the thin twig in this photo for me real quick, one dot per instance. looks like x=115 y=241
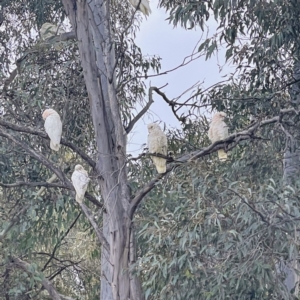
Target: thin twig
x=45 y=282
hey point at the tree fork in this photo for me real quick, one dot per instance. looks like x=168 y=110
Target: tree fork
x=91 y=24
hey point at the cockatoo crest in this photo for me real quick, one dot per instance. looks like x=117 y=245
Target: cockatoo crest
x=80 y=180
x=158 y=143
x=53 y=127
x=47 y=112
x=218 y=131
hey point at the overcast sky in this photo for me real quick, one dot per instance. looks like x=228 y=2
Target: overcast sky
x=158 y=37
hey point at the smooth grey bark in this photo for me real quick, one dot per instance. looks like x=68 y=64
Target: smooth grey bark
x=91 y=24
x=291 y=174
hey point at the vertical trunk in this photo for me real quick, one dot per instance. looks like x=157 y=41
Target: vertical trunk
x=291 y=172
x=91 y=24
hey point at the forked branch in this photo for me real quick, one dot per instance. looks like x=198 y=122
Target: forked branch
x=45 y=282
x=231 y=141
x=142 y=112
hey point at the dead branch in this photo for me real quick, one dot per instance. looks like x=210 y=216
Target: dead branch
x=171 y=103
x=141 y=113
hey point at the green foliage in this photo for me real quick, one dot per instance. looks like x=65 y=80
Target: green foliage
x=209 y=229
x=43 y=227
x=216 y=230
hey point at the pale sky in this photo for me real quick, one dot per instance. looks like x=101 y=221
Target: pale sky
x=158 y=37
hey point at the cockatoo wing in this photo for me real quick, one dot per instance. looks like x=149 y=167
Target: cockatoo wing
x=80 y=182
x=158 y=143
x=53 y=127
x=218 y=131
x=144 y=6
x=221 y=130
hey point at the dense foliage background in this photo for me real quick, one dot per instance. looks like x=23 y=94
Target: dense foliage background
x=209 y=229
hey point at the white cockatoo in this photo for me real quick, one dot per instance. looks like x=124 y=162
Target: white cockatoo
x=142 y=5
x=53 y=127
x=218 y=130
x=80 y=180
x=157 y=143
x=49 y=30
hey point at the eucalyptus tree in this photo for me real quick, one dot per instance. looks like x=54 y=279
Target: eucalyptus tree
x=207 y=230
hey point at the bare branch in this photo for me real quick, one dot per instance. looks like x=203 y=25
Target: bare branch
x=144 y=191
x=45 y=282
x=59 y=242
x=63 y=37
x=99 y=234
x=170 y=102
x=50 y=185
x=33 y=184
x=188 y=59
x=141 y=113
x=44 y=135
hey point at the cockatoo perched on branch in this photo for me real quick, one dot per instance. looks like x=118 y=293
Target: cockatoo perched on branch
x=80 y=180
x=218 y=131
x=142 y=5
x=157 y=143
x=53 y=127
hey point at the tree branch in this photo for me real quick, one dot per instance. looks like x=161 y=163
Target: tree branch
x=263 y=218
x=99 y=234
x=144 y=191
x=44 y=135
x=12 y=222
x=141 y=113
x=50 y=165
x=59 y=38
x=170 y=102
x=59 y=242
x=62 y=37
x=234 y=139
x=39 y=156
x=33 y=184
x=14 y=73
x=45 y=282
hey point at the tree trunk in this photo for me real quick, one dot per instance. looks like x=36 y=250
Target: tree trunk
x=291 y=174
x=91 y=23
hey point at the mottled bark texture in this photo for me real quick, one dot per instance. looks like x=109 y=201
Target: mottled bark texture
x=91 y=25
x=291 y=176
